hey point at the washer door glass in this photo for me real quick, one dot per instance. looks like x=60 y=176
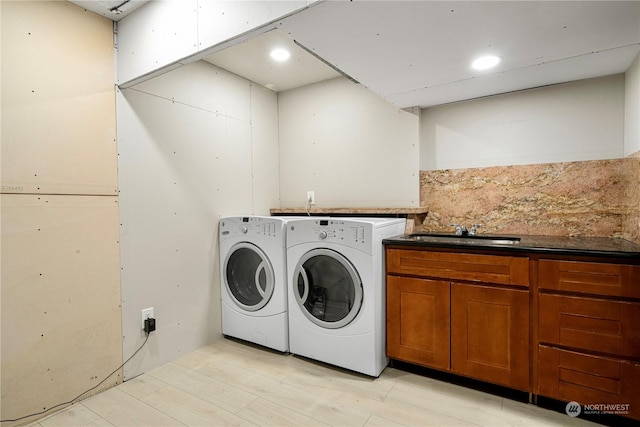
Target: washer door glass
x=249 y=276
x=327 y=288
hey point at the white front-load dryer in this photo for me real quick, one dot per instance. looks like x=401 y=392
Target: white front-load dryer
x=335 y=272
x=253 y=280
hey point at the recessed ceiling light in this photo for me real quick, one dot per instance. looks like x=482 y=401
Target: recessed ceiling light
x=280 y=54
x=485 y=62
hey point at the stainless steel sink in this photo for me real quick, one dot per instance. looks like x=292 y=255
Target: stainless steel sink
x=472 y=239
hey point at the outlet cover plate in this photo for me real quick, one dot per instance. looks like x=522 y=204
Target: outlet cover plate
x=147 y=313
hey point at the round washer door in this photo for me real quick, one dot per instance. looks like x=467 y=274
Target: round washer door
x=249 y=277
x=327 y=288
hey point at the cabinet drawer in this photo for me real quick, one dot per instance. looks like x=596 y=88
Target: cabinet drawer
x=587 y=379
x=590 y=277
x=481 y=268
x=591 y=324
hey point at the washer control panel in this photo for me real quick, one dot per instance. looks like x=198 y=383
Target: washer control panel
x=334 y=230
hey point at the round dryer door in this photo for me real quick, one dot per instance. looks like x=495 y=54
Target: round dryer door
x=327 y=288
x=249 y=276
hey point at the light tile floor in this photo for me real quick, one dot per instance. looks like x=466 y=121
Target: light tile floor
x=234 y=383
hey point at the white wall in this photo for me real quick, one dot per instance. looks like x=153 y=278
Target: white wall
x=194 y=145
x=632 y=109
x=575 y=121
x=163 y=34
x=348 y=145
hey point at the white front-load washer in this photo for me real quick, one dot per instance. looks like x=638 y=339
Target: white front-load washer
x=335 y=272
x=253 y=280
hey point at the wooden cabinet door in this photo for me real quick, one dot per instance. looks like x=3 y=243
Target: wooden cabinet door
x=418 y=321
x=490 y=334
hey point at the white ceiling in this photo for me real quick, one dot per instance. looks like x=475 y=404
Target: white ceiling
x=251 y=60
x=417 y=53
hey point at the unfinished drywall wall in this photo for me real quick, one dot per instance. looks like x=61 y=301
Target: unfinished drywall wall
x=632 y=150
x=348 y=145
x=574 y=121
x=57 y=86
x=195 y=144
x=632 y=108
x=165 y=35
x=60 y=297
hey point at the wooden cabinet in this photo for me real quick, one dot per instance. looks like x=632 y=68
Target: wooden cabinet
x=490 y=334
x=561 y=326
x=589 y=332
x=418 y=321
x=461 y=312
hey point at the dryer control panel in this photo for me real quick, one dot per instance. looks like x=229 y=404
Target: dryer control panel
x=250 y=227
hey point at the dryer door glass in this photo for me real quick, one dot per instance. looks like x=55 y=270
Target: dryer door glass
x=249 y=276
x=327 y=288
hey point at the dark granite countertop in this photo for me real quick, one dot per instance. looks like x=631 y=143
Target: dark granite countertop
x=594 y=246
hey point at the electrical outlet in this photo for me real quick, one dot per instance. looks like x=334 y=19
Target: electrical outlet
x=311 y=197
x=146 y=314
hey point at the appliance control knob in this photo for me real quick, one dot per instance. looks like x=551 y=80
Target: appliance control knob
x=244 y=230
x=322 y=235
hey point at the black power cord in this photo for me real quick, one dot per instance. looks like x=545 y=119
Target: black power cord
x=92 y=388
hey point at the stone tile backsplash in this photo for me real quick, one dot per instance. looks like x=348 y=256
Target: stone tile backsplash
x=592 y=198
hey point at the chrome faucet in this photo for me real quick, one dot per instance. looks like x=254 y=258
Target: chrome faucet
x=461 y=230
